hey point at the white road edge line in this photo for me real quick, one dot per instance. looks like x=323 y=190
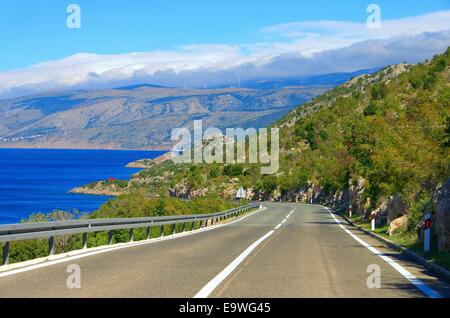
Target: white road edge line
x=67 y=257
x=427 y=290
x=209 y=287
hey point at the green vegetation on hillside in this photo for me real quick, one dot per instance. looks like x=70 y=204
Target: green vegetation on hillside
x=393 y=133
x=392 y=128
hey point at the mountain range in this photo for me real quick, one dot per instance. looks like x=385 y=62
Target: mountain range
x=142 y=116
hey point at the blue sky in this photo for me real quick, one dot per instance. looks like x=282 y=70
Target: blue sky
x=207 y=42
x=35 y=31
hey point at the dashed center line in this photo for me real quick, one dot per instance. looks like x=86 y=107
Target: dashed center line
x=209 y=288
x=284 y=220
x=216 y=281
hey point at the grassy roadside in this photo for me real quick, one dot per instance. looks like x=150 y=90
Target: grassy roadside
x=409 y=240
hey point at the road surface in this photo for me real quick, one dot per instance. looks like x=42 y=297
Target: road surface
x=284 y=250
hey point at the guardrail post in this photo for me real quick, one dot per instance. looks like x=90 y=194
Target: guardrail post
x=85 y=239
x=192 y=225
x=183 y=227
x=110 y=237
x=131 y=235
x=174 y=228
x=51 y=245
x=148 y=232
x=162 y=230
x=5 y=260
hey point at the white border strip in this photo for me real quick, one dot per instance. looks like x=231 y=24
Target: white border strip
x=67 y=257
x=424 y=288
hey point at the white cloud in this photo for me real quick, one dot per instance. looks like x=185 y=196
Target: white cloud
x=294 y=49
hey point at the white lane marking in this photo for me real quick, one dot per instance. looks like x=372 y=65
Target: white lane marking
x=209 y=288
x=412 y=278
x=284 y=220
x=67 y=257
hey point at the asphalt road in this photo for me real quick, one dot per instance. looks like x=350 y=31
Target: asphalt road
x=308 y=255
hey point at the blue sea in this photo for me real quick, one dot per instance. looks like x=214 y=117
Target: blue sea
x=38 y=180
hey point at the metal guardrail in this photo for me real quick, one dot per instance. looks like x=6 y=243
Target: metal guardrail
x=29 y=231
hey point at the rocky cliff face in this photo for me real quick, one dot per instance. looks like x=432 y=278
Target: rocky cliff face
x=353 y=196
x=393 y=211
x=442 y=218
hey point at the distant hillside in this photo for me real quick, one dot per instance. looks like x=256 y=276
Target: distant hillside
x=142 y=116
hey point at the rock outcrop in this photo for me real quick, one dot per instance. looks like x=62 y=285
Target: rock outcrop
x=391 y=210
x=98 y=188
x=442 y=218
x=396 y=208
x=398 y=224
x=358 y=200
x=149 y=163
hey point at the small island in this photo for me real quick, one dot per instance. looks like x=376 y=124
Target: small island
x=115 y=187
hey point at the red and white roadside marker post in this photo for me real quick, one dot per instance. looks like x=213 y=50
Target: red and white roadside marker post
x=427 y=233
x=372 y=218
x=350 y=211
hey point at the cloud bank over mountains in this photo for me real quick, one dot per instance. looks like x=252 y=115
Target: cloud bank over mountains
x=288 y=50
